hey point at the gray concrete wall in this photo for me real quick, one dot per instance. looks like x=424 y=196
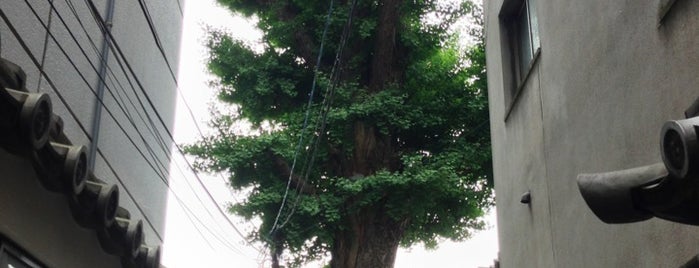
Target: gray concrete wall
x=133 y=35
x=518 y=158
x=607 y=78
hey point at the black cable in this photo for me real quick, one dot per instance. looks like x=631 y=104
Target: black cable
x=35 y=61
x=158 y=43
x=186 y=209
x=300 y=143
x=72 y=63
x=37 y=64
x=226 y=243
x=156 y=37
x=126 y=189
x=85 y=131
x=159 y=139
x=43 y=53
x=166 y=151
x=65 y=103
x=114 y=45
x=179 y=7
x=325 y=109
x=198 y=230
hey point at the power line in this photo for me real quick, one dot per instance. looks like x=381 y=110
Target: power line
x=63 y=100
x=116 y=121
x=128 y=192
x=48 y=79
x=305 y=120
x=167 y=153
x=72 y=63
x=70 y=110
x=158 y=137
x=43 y=53
x=179 y=6
x=131 y=120
x=325 y=109
x=156 y=37
x=115 y=47
x=158 y=43
x=138 y=82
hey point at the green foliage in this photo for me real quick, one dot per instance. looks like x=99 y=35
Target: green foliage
x=437 y=173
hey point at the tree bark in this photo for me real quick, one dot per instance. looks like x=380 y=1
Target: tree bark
x=384 y=66
x=371 y=240
x=276 y=250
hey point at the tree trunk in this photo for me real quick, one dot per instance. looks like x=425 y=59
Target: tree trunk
x=275 y=261
x=371 y=240
x=384 y=65
x=276 y=250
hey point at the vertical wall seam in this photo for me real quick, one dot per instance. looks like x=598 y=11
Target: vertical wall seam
x=546 y=169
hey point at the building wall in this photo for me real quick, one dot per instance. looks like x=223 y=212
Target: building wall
x=606 y=79
x=140 y=66
x=40 y=221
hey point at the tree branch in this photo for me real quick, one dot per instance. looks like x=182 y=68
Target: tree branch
x=281 y=167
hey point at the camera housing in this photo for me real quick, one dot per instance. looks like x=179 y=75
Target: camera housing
x=668 y=190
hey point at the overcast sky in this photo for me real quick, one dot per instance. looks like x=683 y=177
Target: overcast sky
x=196 y=234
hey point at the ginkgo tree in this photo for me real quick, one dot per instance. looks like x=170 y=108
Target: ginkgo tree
x=368 y=126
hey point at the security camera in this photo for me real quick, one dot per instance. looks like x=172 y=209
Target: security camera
x=667 y=190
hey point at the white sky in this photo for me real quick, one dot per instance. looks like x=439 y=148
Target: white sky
x=187 y=243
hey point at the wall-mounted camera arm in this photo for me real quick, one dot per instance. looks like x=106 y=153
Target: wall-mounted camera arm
x=667 y=190
x=613 y=196
x=693 y=110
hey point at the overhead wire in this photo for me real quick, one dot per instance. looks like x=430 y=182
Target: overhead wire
x=325 y=109
x=158 y=137
x=101 y=102
x=156 y=37
x=117 y=50
x=179 y=6
x=188 y=213
x=84 y=79
x=43 y=54
x=159 y=45
x=187 y=209
x=305 y=120
x=70 y=110
x=60 y=96
x=159 y=141
x=154 y=32
x=181 y=203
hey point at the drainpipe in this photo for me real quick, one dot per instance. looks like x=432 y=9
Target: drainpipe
x=97 y=119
